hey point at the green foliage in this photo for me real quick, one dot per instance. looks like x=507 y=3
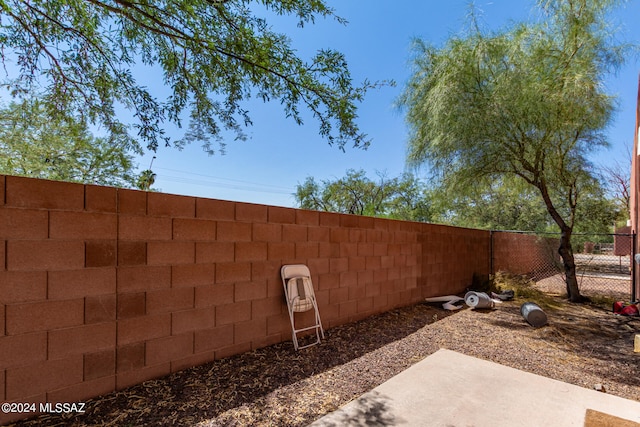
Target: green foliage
x=527 y=102
x=595 y=214
x=398 y=198
x=510 y=204
x=146 y=179
x=213 y=56
x=502 y=204
x=35 y=144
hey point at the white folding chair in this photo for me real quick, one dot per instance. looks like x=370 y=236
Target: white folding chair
x=298 y=291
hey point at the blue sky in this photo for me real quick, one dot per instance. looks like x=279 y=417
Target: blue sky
x=376 y=42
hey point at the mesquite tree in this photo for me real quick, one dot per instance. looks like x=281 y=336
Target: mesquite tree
x=527 y=102
x=34 y=144
x=88 y=57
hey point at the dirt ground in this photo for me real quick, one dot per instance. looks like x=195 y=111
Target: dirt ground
x=593 y=284
x=582 y=344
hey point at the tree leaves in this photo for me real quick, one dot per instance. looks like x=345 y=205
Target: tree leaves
x=36 y=144
x=215 y=55
x=402 y=197
x=527 y=102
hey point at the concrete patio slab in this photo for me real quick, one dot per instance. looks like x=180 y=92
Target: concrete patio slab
x=451 y=389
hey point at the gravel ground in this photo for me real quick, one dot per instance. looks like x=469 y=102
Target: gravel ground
x=276 y=386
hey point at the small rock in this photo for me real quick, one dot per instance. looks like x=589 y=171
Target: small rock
x=600 y=388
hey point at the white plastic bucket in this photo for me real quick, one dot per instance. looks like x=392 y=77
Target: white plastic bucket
x=478 y=300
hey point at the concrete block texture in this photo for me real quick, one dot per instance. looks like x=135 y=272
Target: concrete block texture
x=23 y=349
x=41 y=377
x=132 y=202
x=215 y=209
x=101 y=199
x=43 y=315
x=102 y=288
x=45 y=254
x=24 y=223
x=161 y=204
x=82 y=225
x=43 y=194
x=251 y=213
x=100 y=364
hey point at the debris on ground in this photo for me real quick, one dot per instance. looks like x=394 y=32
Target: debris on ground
x=479 y=300
x=506 y=295
x=584 y=345
x=450 y=302
x=599 y=387
x=533 y=314
x=624 y=309
x=472 y=299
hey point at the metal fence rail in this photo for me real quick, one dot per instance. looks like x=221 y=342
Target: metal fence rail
x=604 y=262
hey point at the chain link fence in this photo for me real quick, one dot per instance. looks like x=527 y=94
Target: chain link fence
x=604 y=262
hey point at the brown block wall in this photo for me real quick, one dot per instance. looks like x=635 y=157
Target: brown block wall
x=450 y=258
x=103 y=288
x=525 y=254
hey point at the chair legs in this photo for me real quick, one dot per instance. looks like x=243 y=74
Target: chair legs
x=319 y=331
x=300 y=296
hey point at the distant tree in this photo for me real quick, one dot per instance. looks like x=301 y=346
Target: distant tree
x=511 y=204
x=501 y=204
x=617 y=179
x=146 y=179
x=398 y=198
x=35 y=144
x=411 y=201
x=212 y=56
x=596 y=214
x=527 y=102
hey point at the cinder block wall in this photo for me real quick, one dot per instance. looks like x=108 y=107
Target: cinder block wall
x=525 y=254
x=103 y=288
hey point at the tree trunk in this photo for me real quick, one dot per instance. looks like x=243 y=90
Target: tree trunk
x=566 y=252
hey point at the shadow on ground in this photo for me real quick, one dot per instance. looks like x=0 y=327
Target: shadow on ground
x=586 y=330
x=371 y=409
x=206 y=392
